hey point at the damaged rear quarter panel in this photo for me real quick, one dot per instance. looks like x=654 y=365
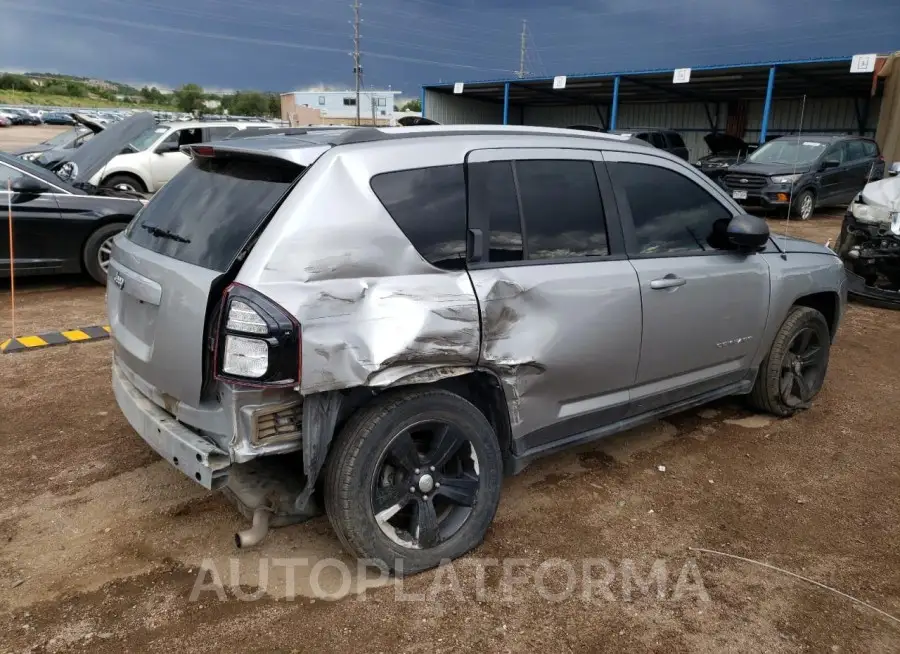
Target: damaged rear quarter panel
x=372 y=311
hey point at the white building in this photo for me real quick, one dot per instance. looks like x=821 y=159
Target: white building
x=340 y=106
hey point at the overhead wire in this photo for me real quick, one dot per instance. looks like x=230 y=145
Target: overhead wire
x=247 y=39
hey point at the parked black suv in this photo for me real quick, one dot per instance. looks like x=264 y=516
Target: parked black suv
x=804 y=172
x=664 y=139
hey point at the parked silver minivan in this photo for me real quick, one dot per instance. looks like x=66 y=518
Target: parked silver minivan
x=382 y=322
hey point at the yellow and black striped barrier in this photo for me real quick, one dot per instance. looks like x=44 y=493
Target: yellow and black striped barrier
x=83 y=335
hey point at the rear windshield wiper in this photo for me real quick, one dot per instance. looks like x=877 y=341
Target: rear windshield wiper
x=159 y=232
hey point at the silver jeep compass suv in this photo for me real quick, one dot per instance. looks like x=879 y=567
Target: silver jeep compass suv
x=382 y=323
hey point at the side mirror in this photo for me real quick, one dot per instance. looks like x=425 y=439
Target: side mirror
x=829 y=163
x=748 y=232
x=26 y=185
x=165 y=148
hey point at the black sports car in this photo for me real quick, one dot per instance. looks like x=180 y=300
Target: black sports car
x=59 y=227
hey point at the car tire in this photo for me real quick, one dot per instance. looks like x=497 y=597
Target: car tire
x=97 y=250
x=781 y=387
x=125 y=182
x=366 y=472
x=804 y=205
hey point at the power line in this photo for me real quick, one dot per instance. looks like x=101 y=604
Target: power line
x=244 y=39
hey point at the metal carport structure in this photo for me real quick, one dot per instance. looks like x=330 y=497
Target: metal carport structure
x=751 y=100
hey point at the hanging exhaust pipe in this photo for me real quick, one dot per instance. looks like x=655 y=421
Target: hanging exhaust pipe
x=254 y=535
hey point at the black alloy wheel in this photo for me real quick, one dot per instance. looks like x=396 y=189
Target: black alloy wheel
x=426 y=484
x=413 y=479
x=793 y=372
x=802 y=368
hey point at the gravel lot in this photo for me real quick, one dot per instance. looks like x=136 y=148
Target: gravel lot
x=102 y=541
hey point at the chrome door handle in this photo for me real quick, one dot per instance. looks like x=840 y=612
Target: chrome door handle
x=669 y=281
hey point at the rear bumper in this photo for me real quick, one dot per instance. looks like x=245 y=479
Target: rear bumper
x=196 y=457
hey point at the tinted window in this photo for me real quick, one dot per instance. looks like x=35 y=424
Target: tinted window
x=856 y=150
x=657 y=140
x=217 y=133
x=675 y=139
x=208 y=211
x=7 y=174
x=492 y=197
x=429 y=206
x=671 y=213
x=643 y=137
x=562 y=209
x=870 y=148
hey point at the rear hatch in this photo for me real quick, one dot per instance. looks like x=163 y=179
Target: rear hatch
x=171 y=266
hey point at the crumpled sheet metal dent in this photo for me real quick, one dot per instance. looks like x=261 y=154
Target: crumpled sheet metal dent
x=883 y=193
x=373 y=312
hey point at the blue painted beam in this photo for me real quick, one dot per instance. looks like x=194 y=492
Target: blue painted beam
x=614 y=108
x=767 y=107
x=506 y=104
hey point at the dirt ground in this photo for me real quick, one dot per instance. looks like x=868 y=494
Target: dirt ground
x=101 y=542
x=18 y=136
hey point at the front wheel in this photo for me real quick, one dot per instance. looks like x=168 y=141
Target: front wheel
x=414 y=480
x=792 y=374
x=804 y=205
x=125 y=183
x=98 y=249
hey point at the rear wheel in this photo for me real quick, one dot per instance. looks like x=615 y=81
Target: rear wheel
x=414 y=480
x=125 y=183
x=792 y=374
x=97 y=251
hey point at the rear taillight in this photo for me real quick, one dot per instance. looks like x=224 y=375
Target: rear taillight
x=257 y=342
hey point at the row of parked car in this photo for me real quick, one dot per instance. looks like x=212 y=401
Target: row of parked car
x=789 y=173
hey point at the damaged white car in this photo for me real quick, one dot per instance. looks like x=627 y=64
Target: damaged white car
x=869 y=244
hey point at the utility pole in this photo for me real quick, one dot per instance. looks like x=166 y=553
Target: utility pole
x=357 y=68
x=522 y=50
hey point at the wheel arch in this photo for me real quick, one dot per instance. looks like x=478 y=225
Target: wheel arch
x=827 y=303
x=126 y=172
x=102 y=222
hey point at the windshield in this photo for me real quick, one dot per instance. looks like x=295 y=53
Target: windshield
x=63 y=138
x=788 y=151
x=148 y=138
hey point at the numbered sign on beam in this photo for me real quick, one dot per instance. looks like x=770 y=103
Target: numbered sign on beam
x=863 y=63
x=559 y=82
x=681 y=76
x=458 y=88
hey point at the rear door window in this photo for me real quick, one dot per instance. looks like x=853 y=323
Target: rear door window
x=209 y=211
x=675 y=139
x=219 y=132
x=658 y=140
x=856 y=150
x=493 y=201
x=871 y=149
x=429 y=206
x=562 y=209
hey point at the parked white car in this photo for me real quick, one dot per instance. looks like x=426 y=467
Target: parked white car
x=156 y=156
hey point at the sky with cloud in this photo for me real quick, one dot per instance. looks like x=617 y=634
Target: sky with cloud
x=278 y=45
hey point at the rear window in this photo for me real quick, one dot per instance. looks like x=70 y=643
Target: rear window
x=429 y=206
x=207 y=212
x=675 y=139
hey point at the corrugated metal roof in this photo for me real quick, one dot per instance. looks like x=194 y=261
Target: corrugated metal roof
x=653 y=71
